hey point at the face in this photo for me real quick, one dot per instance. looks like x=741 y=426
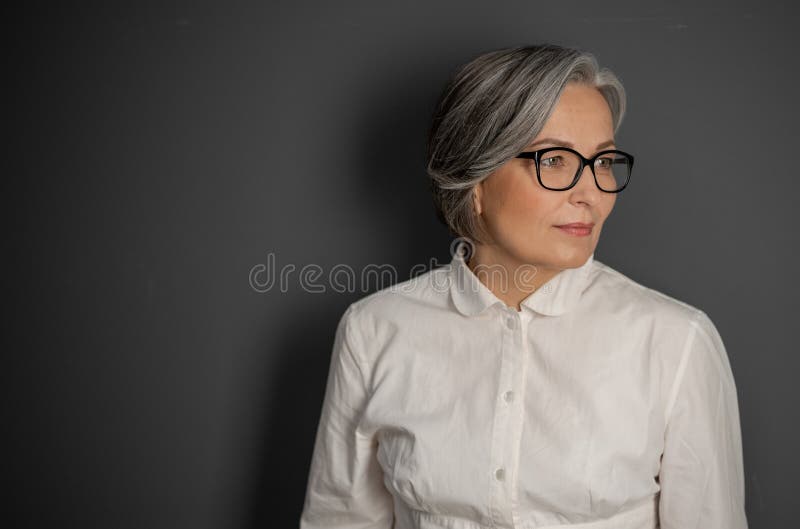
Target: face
x=521 y=217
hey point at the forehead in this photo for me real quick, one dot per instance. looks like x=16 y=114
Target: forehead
x=581 y=116
x=579 y=101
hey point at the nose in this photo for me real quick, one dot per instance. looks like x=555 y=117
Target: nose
x=585 y=190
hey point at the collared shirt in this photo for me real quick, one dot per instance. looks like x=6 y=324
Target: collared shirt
x=602 y=404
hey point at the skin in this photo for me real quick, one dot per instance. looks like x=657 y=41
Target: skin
x=519 y=216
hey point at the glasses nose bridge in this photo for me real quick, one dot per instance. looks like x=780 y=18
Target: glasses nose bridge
x=584 y=163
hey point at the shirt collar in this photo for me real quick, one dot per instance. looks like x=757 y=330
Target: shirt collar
x=557 y=296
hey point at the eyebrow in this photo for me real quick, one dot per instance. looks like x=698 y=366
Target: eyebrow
x=563 y=143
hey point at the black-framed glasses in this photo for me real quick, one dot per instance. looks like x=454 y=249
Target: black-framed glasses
x=560 y=168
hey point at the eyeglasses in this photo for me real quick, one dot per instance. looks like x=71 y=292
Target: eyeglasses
x=560 y=168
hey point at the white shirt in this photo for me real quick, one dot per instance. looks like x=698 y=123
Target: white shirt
x=603 y=404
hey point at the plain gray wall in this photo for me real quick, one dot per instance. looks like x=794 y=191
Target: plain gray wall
x=160 y=153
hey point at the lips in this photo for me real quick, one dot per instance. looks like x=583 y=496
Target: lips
x=577 y=229
x=577 y=225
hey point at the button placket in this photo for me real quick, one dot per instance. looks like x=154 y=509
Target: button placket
x=503 y=429
x=511 y=323
x=517 y=416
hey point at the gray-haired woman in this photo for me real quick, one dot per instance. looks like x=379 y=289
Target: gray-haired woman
x=539 y=388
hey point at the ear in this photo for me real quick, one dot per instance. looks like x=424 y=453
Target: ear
x=477 y=194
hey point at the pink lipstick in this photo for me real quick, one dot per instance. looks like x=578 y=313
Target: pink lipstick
x=578 y=229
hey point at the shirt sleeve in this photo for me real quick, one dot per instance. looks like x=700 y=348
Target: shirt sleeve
x=345 y=485
x=701 y=476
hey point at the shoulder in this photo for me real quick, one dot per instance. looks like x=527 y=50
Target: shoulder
x=668 y=327
x=427 y=290
x=620 y=294
x=376 y=317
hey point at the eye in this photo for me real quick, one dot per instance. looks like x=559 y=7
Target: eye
x=604 y=163
x=551 y=161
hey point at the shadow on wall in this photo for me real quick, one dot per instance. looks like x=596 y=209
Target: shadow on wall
x=400 y=222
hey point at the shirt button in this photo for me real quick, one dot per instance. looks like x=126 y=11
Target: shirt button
x=508 y=396
x=510 y=322
x=500 y=474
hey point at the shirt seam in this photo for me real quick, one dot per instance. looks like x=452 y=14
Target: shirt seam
x=347 y=345
x=447 y=520
x=682 y=365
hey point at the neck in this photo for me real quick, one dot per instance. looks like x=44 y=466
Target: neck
x=507 y=277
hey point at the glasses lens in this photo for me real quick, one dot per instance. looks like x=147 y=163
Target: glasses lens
x=557 y=168
x=612 y=171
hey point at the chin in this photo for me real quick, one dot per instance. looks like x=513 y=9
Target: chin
x=572 y=257
x=553 y=254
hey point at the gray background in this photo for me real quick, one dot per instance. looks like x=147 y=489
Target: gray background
x=159 y=153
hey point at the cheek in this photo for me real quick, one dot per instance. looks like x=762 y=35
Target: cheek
x=525 y=208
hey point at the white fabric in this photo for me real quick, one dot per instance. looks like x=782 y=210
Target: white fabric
x=603 y=404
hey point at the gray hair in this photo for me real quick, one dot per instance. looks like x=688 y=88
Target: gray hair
x=492 y=109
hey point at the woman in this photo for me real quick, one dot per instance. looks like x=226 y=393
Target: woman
x=527 y=384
